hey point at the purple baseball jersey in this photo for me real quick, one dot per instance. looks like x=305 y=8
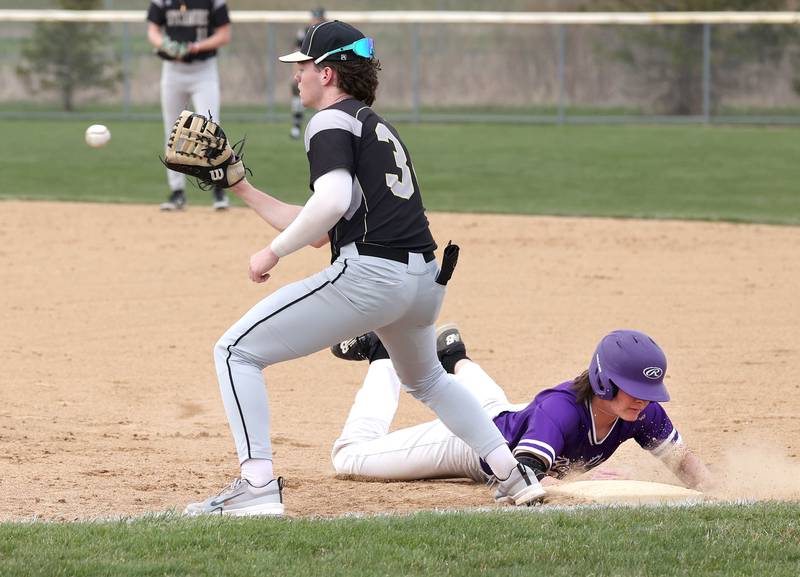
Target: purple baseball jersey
x=560 y=432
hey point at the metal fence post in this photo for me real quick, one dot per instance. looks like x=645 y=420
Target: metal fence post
x=416 y=98
x=562 y=55
x=126 y=69
x=706 y=73
x=270 y=87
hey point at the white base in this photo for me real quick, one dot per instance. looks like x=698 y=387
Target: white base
x=621 y=492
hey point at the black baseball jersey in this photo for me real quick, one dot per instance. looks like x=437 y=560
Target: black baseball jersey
x=189 y=21
x=387 y=206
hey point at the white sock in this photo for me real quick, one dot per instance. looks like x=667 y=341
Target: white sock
x=501 y=461
x=258 y=472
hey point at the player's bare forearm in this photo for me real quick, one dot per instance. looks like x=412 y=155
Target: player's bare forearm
x=276 y=213
x=690 y=469
x=695 y=474
x=218 y=39
x=261 y=263
x=154 y=35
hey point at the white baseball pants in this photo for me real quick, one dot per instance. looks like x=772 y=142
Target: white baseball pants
x=181 y=83
x=426 y=451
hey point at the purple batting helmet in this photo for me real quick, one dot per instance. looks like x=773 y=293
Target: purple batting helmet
x=631 y=361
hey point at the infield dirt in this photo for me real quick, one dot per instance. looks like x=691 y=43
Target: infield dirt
x=110 y=404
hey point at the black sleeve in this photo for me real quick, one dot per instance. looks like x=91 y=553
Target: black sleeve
x=220 y=16
x=156 y=14
x=330 y=149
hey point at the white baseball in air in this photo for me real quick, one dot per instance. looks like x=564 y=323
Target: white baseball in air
x=97 y=135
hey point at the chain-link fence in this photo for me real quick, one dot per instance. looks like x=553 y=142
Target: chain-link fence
x=459 y=71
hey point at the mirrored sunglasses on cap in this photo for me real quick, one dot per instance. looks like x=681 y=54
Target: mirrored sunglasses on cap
x=363 y=47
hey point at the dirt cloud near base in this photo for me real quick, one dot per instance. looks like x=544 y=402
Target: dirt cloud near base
x=757 y=470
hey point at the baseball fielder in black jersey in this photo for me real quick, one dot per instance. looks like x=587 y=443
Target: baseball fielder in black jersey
x=366 y=202
x=186 y=35
x=349 y=135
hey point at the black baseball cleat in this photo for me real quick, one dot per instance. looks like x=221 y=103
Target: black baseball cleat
x=221 y=201
x=358 y=349
x=176 y=201
x=448 y=341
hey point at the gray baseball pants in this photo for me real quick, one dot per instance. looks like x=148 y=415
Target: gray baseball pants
x=355 y=295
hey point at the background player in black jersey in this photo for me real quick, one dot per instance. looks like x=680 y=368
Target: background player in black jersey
x=317 y=16
x=366 y=202
x=186 y=35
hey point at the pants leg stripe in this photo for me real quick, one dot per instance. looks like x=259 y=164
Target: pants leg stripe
x=244 y=334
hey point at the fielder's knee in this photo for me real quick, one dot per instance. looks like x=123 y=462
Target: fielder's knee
x=424 y=389
x=221 y=347
x=226 y=351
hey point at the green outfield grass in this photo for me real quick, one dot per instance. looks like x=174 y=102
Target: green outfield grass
x=693 y=172
x=730 y=540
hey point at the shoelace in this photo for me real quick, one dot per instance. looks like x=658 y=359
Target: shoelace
x=232 y=487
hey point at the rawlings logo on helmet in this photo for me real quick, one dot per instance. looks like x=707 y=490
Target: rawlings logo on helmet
x=653 y=372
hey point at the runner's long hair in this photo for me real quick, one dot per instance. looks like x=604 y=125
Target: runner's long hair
x=582 y=387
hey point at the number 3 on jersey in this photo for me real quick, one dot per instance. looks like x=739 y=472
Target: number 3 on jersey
x=403 y=186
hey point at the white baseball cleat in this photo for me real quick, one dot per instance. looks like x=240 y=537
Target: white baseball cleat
x=221 y=201
x=240 y=498
x=520 y=488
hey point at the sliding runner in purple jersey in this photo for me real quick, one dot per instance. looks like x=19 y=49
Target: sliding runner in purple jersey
x=570 y=428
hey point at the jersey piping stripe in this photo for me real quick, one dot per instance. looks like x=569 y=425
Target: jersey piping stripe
x=593 y=433
x=664 y=446
x=331 y=119
x=358 y=193
x=366 y=213
x=244 y=334
x=311 y=40
x=538 y=446
x=360 y=109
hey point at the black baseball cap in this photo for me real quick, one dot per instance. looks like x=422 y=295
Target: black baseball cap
x=331 y=40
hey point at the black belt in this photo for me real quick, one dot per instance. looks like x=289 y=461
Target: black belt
x=389 y=253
